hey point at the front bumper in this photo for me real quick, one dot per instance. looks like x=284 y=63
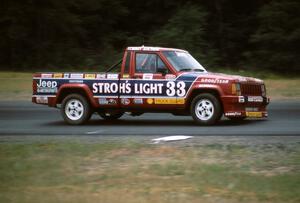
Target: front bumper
x=245 y=106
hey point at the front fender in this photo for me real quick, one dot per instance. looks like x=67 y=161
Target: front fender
x=198 y=87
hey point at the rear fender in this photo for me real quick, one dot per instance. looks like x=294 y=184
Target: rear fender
x=83 y=89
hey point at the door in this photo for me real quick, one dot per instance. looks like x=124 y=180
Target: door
x=152 y=83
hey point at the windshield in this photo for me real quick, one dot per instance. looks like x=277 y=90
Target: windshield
x=183 y=61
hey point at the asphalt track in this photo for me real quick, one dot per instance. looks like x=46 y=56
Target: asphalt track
x=25 y=118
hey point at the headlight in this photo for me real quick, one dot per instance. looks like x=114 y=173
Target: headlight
x=236 y=89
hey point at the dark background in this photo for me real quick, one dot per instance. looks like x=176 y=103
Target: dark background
x=255 y=35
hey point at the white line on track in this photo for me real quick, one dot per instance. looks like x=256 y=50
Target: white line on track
x=95 y=132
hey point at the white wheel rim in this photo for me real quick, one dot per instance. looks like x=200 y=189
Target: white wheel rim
x=204 y=109
x=74 y=109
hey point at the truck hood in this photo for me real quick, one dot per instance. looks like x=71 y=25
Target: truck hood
x=221 y=76
x=237 y=78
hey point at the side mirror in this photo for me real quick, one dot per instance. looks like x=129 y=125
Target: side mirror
x=162 y=70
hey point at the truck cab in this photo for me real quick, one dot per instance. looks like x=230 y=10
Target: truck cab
x=152 y=79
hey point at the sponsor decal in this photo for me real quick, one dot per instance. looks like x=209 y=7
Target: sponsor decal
x=148 y=88
x=242 y=79
x=125 y=101
x=42 y=100
x=143 y=48
x=57 y=75
x=165 y=100
x=255 y=99
x=112 y=76
x=102 y=101
x=241 y=99
x=148 y=76
x=46 y=75
x=100 y=76
x=126 y=76
x=180 y=101
x=89 y=76
x=254 y=114
x=170 y=88
x=214 y=81
x=105 y=87
x=169 y=101
x=170 y=76
x=75 y=81
x=233 y=114
x=46 y=86
x=251 y=109
x=138 y=101
x=76 y=75
x=150 y=101
x=204 y=85
x=67 y=75
x=112 y=101
x=138 y=88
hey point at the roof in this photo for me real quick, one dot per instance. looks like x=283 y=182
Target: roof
x=146 y=48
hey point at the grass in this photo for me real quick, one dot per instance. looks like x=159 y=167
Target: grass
x=15 y=86
x=70 y=171
x=18 y=86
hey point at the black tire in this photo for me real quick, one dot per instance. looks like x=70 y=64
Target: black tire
x=75 y=115
x=111 y=115
x=206 y=109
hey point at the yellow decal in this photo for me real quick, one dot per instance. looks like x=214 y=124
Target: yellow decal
x=169 y=101
x=180 y=101
x=254 y=114
x=126 y=76
x=89 y=76
x=58 y=75
x=150 y=101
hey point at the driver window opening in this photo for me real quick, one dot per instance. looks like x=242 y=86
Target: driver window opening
x=149 y=63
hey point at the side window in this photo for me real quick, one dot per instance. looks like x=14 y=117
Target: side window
x=148 y=63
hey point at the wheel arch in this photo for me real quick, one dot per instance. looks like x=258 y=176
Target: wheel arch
x=81 y=89
x=214 y=91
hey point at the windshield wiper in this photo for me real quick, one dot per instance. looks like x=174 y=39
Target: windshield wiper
x=198 y=70
x=186 y=69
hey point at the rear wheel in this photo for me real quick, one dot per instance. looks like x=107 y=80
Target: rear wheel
x=75 y=109
x=206 y=109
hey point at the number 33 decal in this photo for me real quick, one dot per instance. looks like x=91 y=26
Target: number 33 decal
x=179 y=90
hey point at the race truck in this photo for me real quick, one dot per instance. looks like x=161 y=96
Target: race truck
x=152 y=79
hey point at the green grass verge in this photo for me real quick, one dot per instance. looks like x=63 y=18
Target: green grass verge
x=18 y=86
x=70 y=171
x=15 y=86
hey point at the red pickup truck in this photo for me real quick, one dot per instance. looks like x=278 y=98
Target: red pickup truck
x=152 y=79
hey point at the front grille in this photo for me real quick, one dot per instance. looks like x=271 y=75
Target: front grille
x=250 y=89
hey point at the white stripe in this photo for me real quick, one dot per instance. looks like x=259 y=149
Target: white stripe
x=43 y=95
x=105 y=96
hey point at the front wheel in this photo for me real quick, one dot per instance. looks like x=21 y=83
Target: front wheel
x=206 y=109
x=75 y=109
